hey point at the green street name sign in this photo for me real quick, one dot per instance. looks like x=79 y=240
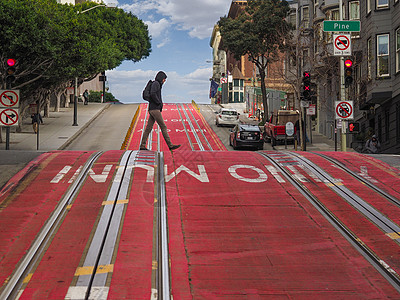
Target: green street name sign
x=345 y=26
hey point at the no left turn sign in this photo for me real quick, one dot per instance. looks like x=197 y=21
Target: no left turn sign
x=9 y=98
x=344 y=110
x=341 y=44
x=9 y=117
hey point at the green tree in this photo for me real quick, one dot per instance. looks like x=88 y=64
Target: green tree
x=53 y=44
x=260 y=32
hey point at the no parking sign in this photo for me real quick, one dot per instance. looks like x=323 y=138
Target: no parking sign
x=344 y=110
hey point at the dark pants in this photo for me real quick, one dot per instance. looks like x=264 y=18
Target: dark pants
x=155 y=116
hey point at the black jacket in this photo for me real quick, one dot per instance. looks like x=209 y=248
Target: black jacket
x=155 y=92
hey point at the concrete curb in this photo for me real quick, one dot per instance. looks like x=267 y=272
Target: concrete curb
x=87 y=124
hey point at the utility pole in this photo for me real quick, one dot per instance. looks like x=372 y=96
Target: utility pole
x=342 y=87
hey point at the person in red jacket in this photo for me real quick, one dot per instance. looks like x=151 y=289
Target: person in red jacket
x=155 y=109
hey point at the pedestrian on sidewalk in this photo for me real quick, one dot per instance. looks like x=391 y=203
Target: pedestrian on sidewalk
x=36 y=118
x=155 y=109
x=86 y=97
x=372 y=145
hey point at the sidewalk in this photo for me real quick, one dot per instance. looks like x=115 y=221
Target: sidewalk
x=56 y=131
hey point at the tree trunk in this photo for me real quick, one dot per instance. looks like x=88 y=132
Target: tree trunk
x=264 y=95
x=58 y=102
x=46 y=107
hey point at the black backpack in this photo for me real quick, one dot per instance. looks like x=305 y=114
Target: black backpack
x=146 y=92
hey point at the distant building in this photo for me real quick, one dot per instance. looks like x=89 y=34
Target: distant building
x=242 y=73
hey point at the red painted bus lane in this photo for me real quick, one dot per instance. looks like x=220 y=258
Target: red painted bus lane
x=30 y=205
x=53 y=276
x=384 y=245
x=244 y=233
x=185 y=126
x=377 y=172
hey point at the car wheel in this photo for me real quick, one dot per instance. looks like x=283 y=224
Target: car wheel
x=234 y=146
x=266 y=138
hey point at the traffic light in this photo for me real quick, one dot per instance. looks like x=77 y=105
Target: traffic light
x=306 y=86
x=354 y=127
x=10 y=71
x=348 y=72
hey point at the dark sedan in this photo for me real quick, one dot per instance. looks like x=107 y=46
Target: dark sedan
x=245 y=135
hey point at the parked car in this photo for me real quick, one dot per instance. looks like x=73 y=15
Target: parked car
x=227 y=116
x=275 y=127
x=246 y=135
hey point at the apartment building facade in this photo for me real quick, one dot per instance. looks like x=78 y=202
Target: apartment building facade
x=375 y=91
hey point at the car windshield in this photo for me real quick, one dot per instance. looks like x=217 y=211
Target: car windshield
x=229 y=113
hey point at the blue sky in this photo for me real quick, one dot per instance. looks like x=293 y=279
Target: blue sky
x=180 y=31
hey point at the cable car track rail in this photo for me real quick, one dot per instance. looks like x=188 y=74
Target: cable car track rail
x=380 y=265
x=384 y=194
x=44 y=237
x=370 y=212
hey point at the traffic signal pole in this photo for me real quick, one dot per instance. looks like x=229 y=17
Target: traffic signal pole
x=342 y=87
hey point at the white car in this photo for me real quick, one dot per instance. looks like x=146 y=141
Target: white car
x=227 y=116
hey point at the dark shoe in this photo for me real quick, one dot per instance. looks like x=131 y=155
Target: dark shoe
x=143 y=148
x=173 y=147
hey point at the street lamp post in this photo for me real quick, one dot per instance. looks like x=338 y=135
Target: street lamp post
x=75 y=123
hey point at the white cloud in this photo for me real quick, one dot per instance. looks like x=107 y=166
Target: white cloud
x=196 y=17
x=127 y=86
x=157 y=28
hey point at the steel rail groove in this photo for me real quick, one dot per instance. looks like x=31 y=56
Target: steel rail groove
x=384 y=269
x=163 y=284
x=184 y=126
x=201 y=130
x=192 y=127
x=391 y=198
x=370 y=212
x=100 y=249
x=45 y=234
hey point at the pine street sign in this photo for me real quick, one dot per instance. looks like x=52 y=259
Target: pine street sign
x=342 y=26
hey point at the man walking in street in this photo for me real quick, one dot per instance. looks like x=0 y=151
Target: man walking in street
x=155 y=109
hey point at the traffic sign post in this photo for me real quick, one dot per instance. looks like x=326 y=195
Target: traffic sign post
x=9 y=117
x=344 y=110
x=9 y=114
x=341 y=45
x=9 y=98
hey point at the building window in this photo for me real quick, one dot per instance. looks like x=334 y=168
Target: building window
x=354 y=10
x=316 y=3
x=292 y=18
x=397 y=122
x=369 y=58
x=382 y=42
x=306 y=17
x=368 y=6
x=387 y=127
x=335 y=15
x=398 y=50
x=382 y=4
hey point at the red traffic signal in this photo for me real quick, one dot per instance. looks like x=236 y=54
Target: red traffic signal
x=354 y=127
x=348 y=72
x=348 y=63
x=11 y=62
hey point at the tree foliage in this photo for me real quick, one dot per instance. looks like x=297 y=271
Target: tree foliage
x=260 y=32
x=53 y=44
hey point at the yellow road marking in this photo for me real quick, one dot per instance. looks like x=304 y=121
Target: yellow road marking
x=124 y=201
x=394 y=235
x=27 y=278
x=89 y=270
